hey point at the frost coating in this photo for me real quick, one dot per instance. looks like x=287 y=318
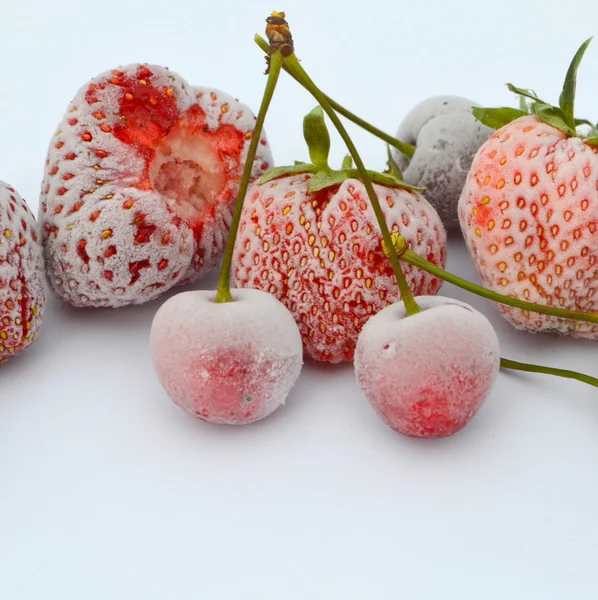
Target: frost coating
x=321 y=255
x=446 y=135
x=528 y=216
x=22 y=291
x=129 y=142
x=427 y=374
x=228 y=363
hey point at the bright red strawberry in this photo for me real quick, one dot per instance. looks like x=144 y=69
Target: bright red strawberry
x=309 y=236
x=321 y=255
x=528 y=213
x=139 y=185
x=22 y=290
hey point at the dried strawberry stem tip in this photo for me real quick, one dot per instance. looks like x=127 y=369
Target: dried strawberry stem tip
x=223 y=293
x=406 y=149
x=303 y=78
x=279 y=34
x=409 y=256
x=505 y=363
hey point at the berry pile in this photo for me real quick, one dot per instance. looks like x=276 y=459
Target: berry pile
x=150 y=182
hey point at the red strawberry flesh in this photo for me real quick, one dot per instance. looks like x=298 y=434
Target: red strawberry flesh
x=141 y=178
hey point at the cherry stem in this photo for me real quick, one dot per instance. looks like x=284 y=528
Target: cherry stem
x=405 y=149
x=409 y=256
x=303 y=78
x=505 y=363
x=223 y=293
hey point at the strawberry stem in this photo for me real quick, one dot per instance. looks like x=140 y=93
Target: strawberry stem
x=409 y=256
x=505 y=363
x=223 y=293
x=405 y=149
x=303 y=78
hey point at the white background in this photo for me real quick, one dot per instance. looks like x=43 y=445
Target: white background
x=107 y=490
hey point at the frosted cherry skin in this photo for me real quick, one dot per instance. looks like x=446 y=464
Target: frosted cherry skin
x=229 y=363
x=427 y=374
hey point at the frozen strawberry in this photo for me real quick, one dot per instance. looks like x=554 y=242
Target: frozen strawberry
x=309 y=236
x=420 y=387
x=321 y=254
x=229 y=363
x=22 y=290
x=139 y=184
x=528 y=213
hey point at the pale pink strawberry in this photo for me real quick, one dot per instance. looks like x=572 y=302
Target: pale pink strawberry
x=139 y=185
x=529 y=215
x=321 y=255
x=22 y=289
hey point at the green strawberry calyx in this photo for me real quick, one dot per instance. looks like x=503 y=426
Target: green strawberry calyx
x=561 y=117
x=317 y=138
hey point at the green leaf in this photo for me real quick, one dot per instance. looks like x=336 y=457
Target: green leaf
x=525 y=93
x=538 y=108
x=553 y=116
x=579 y=122
x=275 y=172
x=324 y=179
x=567 y=97
x=523 y=105
x=384 y=179
x=593 y=141
x=347 y=162
x=316 y=136
x=497 y=117
x=393 y=167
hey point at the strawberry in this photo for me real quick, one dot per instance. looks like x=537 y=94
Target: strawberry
x=419 y=387
x=22 y=290
x=139 y=184
x=309 y=236
x=528 y=210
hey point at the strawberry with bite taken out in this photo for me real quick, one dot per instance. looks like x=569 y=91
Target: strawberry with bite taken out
x=22 y=290
x=528 y=210
x=309 y=236
x=139 y=184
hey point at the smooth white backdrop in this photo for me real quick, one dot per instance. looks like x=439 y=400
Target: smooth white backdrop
x=107 y=490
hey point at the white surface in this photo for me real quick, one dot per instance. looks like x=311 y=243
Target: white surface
x=108 y=490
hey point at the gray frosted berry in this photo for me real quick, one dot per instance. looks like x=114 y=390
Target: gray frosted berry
x=446 y=136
